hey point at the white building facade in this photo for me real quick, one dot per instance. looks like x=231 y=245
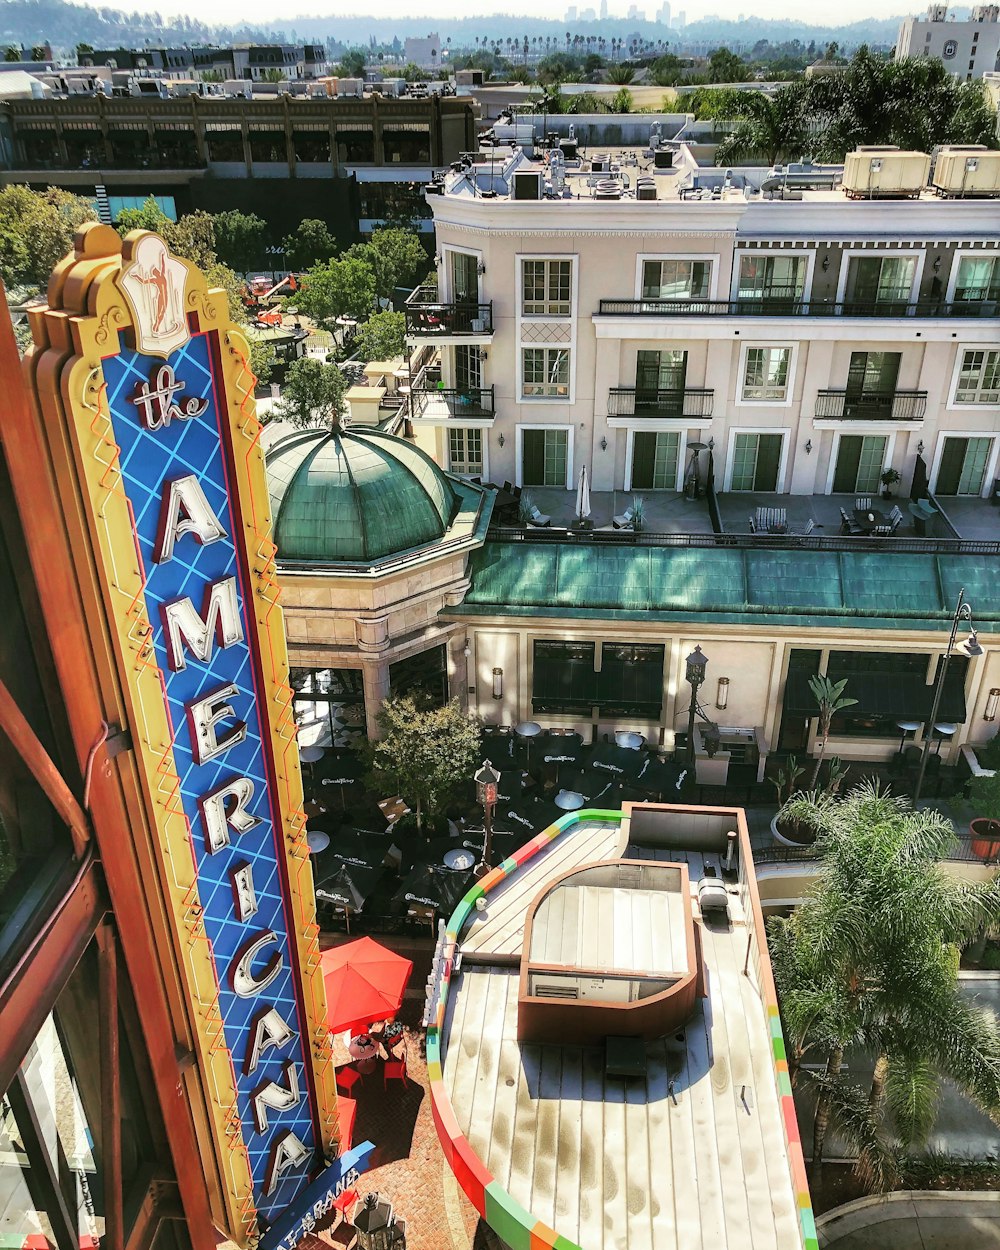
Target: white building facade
x=968 y=49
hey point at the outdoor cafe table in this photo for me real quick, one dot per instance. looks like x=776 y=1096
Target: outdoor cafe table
x=870 y=518
x=364 y=1050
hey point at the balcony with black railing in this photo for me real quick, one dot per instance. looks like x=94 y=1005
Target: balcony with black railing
x=791 y=307
x=631 y=401
x=841 y=405
x=429 y=317
x=429 y=403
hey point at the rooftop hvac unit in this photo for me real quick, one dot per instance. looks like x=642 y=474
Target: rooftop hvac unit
x=351 y=86
x=663 y=158
x=600 y=162
x=645 y=189
x=527 y=185
x=885 y=173
x=967 y=171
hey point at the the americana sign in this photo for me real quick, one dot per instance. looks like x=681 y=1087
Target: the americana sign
x=158 y=397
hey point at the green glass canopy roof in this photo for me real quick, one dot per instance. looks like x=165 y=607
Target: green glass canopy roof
x=860 y=589
x=354 y=496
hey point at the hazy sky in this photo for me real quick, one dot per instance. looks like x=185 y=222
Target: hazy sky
x=267 y=12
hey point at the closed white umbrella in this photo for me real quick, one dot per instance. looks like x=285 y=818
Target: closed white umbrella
x=583 y=495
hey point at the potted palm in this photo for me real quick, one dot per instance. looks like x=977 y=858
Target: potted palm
x=888 y=479
x=638 y=511
x=801 y=818
x=984 y=829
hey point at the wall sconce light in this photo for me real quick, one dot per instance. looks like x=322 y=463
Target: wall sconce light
x=937 y=264
x=825 y=263
x=604 y=444
x=711 y=444
x=501 y=440
x=498 y=683
x=809 y=446
x=992 y=704
x=437 y=260
x=466 y=650
x=722 y=694
x=480 y=268
x=481 y=355
x=920 y=448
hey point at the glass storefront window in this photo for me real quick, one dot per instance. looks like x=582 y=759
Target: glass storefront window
x=329 y=706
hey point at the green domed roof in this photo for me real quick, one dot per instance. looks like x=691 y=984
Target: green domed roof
x=354 y=496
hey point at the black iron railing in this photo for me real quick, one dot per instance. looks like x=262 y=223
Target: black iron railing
x=453 y=402
x=631 y=401
x=427 y=316
x=960 y=850
x=888 y=406
x=777 y=542
x=796 y=308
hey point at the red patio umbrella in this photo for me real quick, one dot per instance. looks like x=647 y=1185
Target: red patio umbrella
x=364 y=982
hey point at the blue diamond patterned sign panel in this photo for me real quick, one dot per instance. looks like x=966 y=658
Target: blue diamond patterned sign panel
x=184 y=443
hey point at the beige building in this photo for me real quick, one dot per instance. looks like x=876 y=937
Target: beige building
x=968 y=49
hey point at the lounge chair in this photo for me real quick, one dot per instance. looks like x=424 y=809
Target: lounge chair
x=810 y=526
x=537 y=518
x=623 y=522
x=863 y=503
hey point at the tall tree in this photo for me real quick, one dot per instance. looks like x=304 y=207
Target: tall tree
x=36 y=231
x=240 y=239
x=382 y=337
x=312 y=394
x=871 y=960
x=769 y=127
x=395 y=258
x=340 y=288
x=311 y=244
x=423 y=754
x=830 y=700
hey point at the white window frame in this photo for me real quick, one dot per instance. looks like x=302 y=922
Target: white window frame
x=745 y=349
x=714 y=259
x=546 y=316
x=864 y=429
x=519 y=452
x=653 y=428
x=484 y=472
x=571 y=321
x=967 y=254
x=893 y=253
x=786 y=442
x=956 y=373
x=807 y=284
x=992 y=463
x=447 y=294
x=545 y=399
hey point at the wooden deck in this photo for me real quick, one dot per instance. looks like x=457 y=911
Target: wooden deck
x=692 y=1158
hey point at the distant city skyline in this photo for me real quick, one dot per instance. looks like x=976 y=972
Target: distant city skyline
x=263 y=12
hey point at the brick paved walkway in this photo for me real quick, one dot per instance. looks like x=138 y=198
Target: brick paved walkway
x=408 y=1168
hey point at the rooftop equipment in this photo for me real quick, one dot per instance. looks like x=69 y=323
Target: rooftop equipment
x=967 y=171
x=527 y=185
x=885 y=173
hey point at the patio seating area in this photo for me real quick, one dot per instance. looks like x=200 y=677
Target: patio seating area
x=834 y=515
x=372 y=874
x=664 y=511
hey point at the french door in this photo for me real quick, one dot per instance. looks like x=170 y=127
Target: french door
x=963 y=466
x=654 y=460
x=464 y=278
x=544 y=456
x=859 y=464
x=756 y=460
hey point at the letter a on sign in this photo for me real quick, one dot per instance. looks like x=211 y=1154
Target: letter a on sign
x=185 y=510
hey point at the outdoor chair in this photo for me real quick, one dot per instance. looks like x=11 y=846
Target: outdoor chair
x=537 y=518
x=508 y=488
x=895 y=518
x=809 y=527
x=847 y=525
x=753 y=526
x=882 y=531
x=346 y=1202
x=347 y=1078
x=623 y=522
x=863 y=503
x=394 y=1070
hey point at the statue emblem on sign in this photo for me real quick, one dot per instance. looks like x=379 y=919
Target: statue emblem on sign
x=154 y=282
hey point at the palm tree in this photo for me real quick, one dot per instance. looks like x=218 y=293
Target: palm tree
x=830 y=699
x=775 y=127
x=871 y=960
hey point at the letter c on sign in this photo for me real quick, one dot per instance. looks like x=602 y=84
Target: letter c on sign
x=242 y=980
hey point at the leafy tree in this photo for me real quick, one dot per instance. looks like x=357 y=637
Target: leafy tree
x=621 y=101
x=667 y=70
x=769 y=127
x=36 y=231
x=871 y=960
x=82 y=50
x=273 y=75
x=395 y=257
x=382 y=337
x=39 y=52
x=340 y=288
x=11 y=53
x=423 y=754
x=312 y=394
x=829 y=696
x=193 y=237
x=352 y=64
x=240 y=239
x=310 y=245
x=726 y=66
x=413 y=73
x=148 y=216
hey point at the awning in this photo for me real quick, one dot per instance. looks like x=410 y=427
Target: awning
x=903 y=695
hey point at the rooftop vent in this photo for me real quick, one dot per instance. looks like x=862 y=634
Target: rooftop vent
x=527 y=185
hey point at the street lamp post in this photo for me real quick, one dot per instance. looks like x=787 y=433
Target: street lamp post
x=487 y=780
x=696 y=663
x=969 y=647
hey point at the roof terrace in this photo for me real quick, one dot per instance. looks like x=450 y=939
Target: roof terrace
x=700 y=1147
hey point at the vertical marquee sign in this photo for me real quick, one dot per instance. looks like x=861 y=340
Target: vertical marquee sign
x=141 y=362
